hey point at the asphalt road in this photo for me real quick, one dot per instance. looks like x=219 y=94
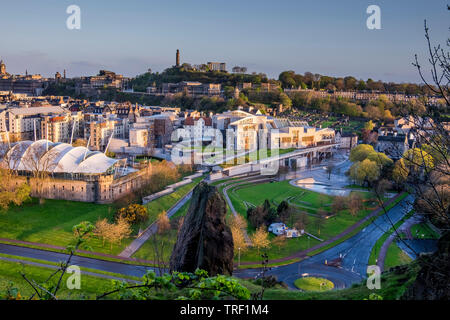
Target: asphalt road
x=103 y=265
x=354 y=252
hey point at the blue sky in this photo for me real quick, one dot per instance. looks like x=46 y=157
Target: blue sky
x=326 y=37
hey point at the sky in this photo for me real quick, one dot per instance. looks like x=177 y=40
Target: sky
x=328 y=37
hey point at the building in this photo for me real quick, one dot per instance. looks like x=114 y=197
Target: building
x=28 y=84
x=346 y=140
x=217 y=66
x=394 y=145
x=62 y=128
x=75 y=173
x=280 y=229
x=98 y=130
x=256 y=131
x=301 y=137
x=25 y=123
x=192 y=88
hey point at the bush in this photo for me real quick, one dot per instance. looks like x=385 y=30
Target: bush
x=134 y=213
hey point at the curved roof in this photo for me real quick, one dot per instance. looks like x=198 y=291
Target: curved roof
x=57 y=158
x=95 y=163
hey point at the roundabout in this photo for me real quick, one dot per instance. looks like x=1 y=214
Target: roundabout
x=313 y=284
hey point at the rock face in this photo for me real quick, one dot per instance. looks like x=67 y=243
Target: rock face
x=204 y=241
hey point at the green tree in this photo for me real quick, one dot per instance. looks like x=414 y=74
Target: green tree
x=360 y=152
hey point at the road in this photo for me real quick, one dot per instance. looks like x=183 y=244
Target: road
x=102 y=265
x=354 y=252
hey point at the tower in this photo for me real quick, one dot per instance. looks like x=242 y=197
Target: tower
x=64 y=73
x=2 y=67
x=177 y=63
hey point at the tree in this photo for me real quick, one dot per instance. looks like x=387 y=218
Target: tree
x=364 y=172
x=417 y=159
x=20 y=195
x=134 y=213
x=354 y=203
x=329 y=169
x=238 y=239
x=163 y=223
x=279 y=242
x=256 y=216
x=360 y=152
x=400 y=172
x=320 y=219
x=260 y=239
x=339 y=204
x=103 y=230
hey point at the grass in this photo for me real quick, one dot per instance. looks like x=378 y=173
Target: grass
x=255 y=155
x=166 y=202
x=52 y=222
x=423 y=231
x=10 y=273
x=314 y=284
x=377 y=247
x=395 y=257
x=50 y=263
x=276 y=192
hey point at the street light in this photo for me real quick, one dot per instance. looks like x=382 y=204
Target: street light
x=239 y=257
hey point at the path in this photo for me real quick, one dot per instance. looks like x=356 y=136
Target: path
x=405 y=227
x=153 y=228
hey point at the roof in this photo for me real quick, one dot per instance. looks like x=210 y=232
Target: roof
x=392 y=138
x=56 y=158
x=37 y=110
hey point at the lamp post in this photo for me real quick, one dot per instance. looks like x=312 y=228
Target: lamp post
x=239 y=257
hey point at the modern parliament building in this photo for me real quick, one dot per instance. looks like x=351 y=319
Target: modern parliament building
x=61 y=171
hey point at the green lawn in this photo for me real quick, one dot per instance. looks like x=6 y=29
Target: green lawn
x=164 y=203
x=395 y=257
x=256 y=155
x=306 y=200
x=52 y=222
x=10 y=273
x=314 y=284
x=423 y=231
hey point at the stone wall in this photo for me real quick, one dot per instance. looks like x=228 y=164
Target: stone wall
x=99 y=189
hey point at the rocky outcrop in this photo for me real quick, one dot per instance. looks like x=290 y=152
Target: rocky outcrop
x=204 y=240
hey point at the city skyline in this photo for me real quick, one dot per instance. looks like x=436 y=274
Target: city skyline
x=268 y=38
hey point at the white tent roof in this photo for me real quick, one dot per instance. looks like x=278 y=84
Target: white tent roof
x=95 y=164
x=58 y=158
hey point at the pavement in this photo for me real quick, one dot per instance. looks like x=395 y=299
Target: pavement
x=152 y=229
